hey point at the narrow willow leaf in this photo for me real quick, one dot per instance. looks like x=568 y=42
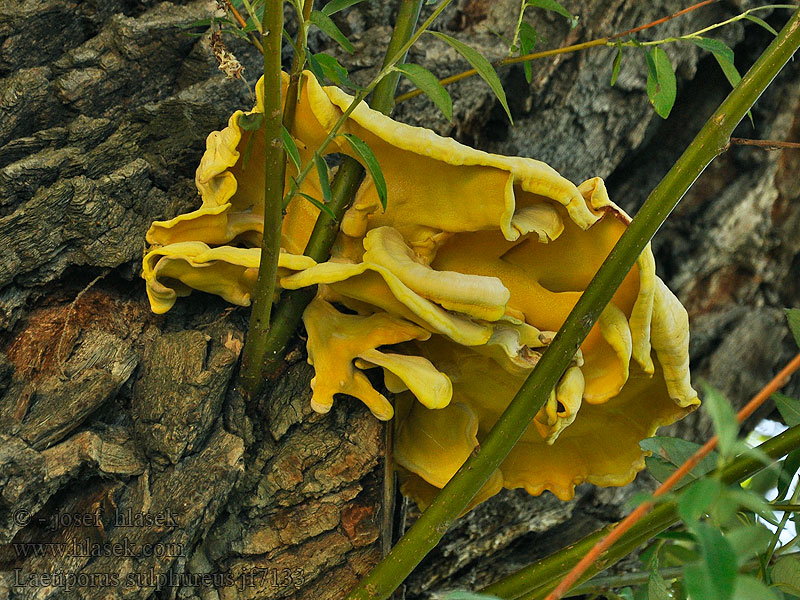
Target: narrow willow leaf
x=786 y=574
x=719 y=567
x=336 y=5
x=291 y=148
x=722 y=414
x=617 y=64
x=669 y=453
x=724 y=57
x=371 y=163
x=793 y=316
x=318 y=204
x=316 y=67
x=248 y=150
x=788 y=407
x=695 y=501
x=555 y=7
x=749 y=588
x=662 y=86
x=789 y=468
x=527 y=41
x=325 y=23
x=748 y=541
x=761 y=22
x=324 y=180
x=324 y=65
x=251 y=122
x=481 y=65
x=657 y=588
x=427 y=82
x=716 y=47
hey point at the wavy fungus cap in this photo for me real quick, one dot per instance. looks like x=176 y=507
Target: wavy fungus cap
x=477 y=260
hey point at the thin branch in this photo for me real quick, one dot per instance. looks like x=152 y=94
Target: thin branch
x=236 y=15
x=660 y=21
x=511 y=60
x=594 y=554
x=298 y=62
x=765 y=144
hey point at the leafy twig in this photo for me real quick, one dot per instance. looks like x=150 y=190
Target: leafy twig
x=604 y=41
x=386 y=70
x=533 y=581
x=663 y=20
x=292 y=303
x=456 y=495
x=640 y=511
x=236 y=15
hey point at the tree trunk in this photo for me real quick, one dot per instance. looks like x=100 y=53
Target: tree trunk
x=123 y=443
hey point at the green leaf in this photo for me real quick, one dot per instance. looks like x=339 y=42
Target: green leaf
x=748 y=541
x=248 y=150
x=786 y=574
x=324 y=65
x=318 y=204
x=752 y=502
x=291 y=148
x=761 y=22
x=724 y=56
x=617 y=64
x=555 y=7
x=527 y=41
x=725 y=424
x=251 y=122
x=695 y=501
x=750 y=588
x=371 y=163
x=481 y=65
x=657 y=588
x=793 y=316
x=325 y=23
x=715 y=576
x=669 y=453
x=324 y=181
x=662 y=87
x=789 y=467
x=716 y=47
x=336 y=5
x=427 y=82
x=788 y=407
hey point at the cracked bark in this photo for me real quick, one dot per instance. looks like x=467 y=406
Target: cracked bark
x=106 y=409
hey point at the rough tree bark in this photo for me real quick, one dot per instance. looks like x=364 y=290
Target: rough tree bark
x=106 y=409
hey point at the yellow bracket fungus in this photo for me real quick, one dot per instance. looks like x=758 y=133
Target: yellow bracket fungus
x=466 y=275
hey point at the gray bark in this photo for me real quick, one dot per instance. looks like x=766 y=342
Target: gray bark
x=108 y=409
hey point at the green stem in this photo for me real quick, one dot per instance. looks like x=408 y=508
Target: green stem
x=456 y=495
x=254 y=350
x=776 y=537
x=292 y=303
x=700 y=32
x=298 y=62
x=385 y=72
x=512 y=60
x=536 y=580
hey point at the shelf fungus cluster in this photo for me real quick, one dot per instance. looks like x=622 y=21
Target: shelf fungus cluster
x=453 y=291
